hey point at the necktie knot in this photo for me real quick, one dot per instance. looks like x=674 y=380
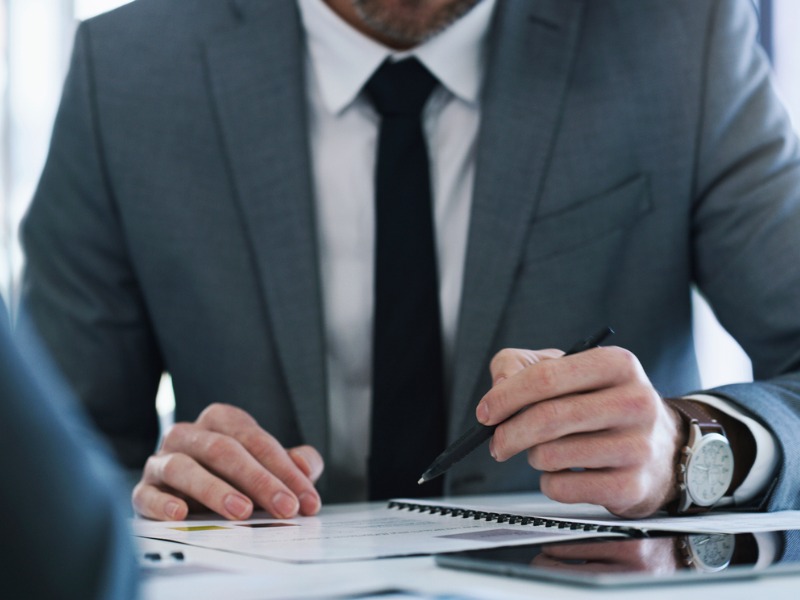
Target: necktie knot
x=400 y=89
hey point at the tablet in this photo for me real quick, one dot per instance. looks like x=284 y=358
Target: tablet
x=641 y=561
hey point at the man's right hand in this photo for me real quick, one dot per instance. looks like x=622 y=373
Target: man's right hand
x=227 y=463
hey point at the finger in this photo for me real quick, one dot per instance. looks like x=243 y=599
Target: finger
x=598 y=450
x=308 y=460
x=511 y=361
x=297 y=491
x=275 y=458
x=624 y=492
x=185 y=475
x=587 y=371
x=231 y=461
x=152 y=503
x=548 y=420
x=630 y=471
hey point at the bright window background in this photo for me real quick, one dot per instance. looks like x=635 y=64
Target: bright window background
x=786 y=31
x=89 y=8
x=35 y=44
x=35 y=41
x=720 y=357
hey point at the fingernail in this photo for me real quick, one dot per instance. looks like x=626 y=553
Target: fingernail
x=482 y=412
x=172 y=509
x=284 y=505
x=309 y=503
x=238 y=506
x=491 y=449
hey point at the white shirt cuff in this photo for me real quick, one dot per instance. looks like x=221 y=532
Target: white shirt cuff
x=766 y=462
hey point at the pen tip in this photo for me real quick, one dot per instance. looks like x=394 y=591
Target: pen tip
x=421 y=481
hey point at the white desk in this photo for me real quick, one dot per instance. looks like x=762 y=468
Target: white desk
x=214 y=574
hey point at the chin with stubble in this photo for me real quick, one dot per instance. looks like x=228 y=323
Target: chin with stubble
x=408 y=23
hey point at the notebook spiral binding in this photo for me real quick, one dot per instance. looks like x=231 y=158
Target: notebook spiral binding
x=512 y=519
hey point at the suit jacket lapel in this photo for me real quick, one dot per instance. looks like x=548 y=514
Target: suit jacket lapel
x=529 y=64
x=256 y=77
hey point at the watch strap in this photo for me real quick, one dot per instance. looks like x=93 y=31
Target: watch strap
x=692 y=411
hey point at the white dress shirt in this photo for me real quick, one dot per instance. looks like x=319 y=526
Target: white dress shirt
x=343 y=128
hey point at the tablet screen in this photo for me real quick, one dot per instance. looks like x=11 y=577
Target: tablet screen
x=615 y=561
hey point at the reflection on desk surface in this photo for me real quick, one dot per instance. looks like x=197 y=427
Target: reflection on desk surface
x=677 y=558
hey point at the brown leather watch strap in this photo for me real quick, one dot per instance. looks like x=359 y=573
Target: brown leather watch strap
x=690 y=411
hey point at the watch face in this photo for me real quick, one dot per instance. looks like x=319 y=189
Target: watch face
x=710 y=469
x=711 y=552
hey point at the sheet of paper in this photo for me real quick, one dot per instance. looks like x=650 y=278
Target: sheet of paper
x=731 y=522
x=366 y=531
x=372 y=532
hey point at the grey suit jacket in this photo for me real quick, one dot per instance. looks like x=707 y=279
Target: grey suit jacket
x=62 y=516
x=627 y=150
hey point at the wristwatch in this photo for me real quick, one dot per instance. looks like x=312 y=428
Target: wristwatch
x=707 y=552
x=705 y=467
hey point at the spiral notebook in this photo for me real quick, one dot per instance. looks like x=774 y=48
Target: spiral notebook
x=405 y=527
x=524 y=519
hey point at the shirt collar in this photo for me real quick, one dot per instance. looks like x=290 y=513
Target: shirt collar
x=343 y=59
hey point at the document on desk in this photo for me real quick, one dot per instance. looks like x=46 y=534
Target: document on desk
x=406 y=527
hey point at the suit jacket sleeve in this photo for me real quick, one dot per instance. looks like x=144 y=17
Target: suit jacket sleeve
x=745 y=230
x=80 y=286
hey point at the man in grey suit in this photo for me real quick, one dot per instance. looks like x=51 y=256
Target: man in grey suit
x=206 y=210
x=63 y=516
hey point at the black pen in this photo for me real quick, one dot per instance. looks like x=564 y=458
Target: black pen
x=480 y=433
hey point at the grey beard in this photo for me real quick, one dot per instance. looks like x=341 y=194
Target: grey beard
x=409 y=32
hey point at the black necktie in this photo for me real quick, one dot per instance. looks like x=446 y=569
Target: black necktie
x=407 y=379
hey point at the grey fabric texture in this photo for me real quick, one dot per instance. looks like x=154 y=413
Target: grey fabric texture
x=627 y=151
